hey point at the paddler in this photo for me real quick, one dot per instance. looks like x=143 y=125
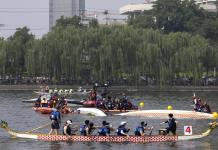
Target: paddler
x=67 y=129
x=84 y=129
x=122 y=130
x=105 y=129
x=44 y=103
x=92 y=128
x=207 y=108
x=38 y=102
x=109 y=105
x=140 y=130
x=171 y=124
x=93 y=95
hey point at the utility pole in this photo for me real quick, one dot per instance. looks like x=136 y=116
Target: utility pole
x=106 y=16
x=1 y=25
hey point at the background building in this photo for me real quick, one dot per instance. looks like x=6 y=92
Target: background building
x=208 y=5
x=66 y=8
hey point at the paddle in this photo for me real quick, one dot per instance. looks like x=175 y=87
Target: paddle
x=151 y=131
x=75 y=102
x=40 y=127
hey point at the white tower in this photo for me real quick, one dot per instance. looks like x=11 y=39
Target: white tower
x=66 y=8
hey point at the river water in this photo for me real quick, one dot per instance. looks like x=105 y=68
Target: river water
x=21 y=117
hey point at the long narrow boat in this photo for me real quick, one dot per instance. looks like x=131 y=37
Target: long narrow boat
x=163 y=114
x=100 y=112
x=115 y=111
x=115 y=139
x=47 y=110
x=92 y=111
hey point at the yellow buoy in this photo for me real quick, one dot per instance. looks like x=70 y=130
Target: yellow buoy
x=215 y=115
x=141 y=104
x=170 y=107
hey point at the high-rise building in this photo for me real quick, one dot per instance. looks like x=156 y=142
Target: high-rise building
x=66 y=8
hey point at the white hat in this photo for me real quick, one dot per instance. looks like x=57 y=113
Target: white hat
x=69 y=122
x=123 y=123
x=54 y=109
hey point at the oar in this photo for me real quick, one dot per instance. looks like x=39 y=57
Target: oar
x=75 y=102
x=151 y=131
x=40 y=127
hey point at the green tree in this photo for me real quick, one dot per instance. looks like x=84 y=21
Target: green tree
x=16 y=48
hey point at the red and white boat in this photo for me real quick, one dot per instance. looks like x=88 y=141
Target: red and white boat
x=111 y=139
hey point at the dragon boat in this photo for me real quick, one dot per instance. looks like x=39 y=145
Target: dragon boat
x=67 y=110
x=163 y=114
x=48 y=110
x=115 y=139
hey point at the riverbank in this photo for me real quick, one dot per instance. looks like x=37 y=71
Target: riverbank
x=115 y=88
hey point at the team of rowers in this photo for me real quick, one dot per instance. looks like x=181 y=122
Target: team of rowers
x=55 y=101
x=106 y=128
x=107 y=102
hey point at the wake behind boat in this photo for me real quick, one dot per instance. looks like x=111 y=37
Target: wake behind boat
x=162 y=114
x=115 y=139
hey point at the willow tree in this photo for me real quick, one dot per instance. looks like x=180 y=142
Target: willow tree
x=2 y=56
x=16 y=48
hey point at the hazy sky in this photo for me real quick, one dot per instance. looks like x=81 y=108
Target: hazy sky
x=34 y=13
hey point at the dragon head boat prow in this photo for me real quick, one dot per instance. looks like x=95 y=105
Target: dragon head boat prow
x=213 y=125
x=4 y=124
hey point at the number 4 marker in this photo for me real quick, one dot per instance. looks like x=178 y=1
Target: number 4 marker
x=187 y=130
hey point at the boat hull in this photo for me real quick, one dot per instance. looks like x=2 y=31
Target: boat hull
x=115 y=139
x=115 y=111
x=92 y=111
x=47 y=110
x=163 y=114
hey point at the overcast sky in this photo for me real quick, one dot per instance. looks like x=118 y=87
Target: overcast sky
x=34 y=13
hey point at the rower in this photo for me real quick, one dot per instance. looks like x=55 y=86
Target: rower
x=207 y=108
x=44 y=103
x=105 y=129
x=140 y=130
x=124 y=102
x=62 y=102
x=84 y=129
x=38 y=101
x=67 y=129
x=197 y=103
x=91 y=129
x=93 y=95
x=122 y=130
x=171 y=124
x=104 y=93
x=109 y=104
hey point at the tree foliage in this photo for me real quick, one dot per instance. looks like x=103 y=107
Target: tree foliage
x=178 y=16
x=104 y=53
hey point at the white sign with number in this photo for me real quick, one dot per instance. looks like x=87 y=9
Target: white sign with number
x=187 y=130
